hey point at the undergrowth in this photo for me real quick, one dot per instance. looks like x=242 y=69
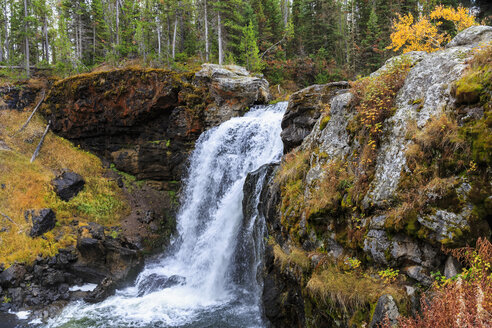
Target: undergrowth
x=374 y=102
x=26 y=186
x=464 y=301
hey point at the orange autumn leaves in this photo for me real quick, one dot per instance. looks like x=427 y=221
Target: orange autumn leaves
x=425 y=34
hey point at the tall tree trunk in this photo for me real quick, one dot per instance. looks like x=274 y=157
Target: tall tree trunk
x=93 y=43
x=206 y=33
x=80 y=38
x=47 y=49
x=285 y=12
x=219 y=33
x=1 y=48
x=7 y=42
x=76 y=38
x=158 y=25
x=117 y=23
x=174 y=35
x=28 y=69
x=168 y=39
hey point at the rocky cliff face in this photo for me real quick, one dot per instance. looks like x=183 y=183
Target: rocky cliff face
x=145 y=121
x=391 y=172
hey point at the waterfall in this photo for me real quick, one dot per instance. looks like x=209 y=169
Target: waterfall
x=209 y=278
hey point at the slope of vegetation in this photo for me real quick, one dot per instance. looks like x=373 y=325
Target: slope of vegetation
x=26 y=186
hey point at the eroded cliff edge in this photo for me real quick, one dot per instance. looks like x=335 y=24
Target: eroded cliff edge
x=395 y=169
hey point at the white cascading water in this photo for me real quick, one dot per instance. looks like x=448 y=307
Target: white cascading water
x=194 y=285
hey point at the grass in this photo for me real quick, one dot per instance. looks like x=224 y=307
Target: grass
x=343 y=293
x=291 y=179
x=296 y=257
x=349 y=290
x=330 y=189
x=27 y=186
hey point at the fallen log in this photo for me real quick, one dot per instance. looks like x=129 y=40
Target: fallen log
x=32 y=114
x=8 y=218
x=38 y=148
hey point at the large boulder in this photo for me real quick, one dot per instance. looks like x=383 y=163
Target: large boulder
x=42 y=221
x=426 y=93
x=101 y=257
x=233 y=89
x=471 y=36
x=68 y=185
x=305 y=107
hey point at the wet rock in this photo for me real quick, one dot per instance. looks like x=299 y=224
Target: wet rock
x=68 y=185
x=8 y=320
x=305 y=107
x=156 y=282
x=99 y=259
x=42 y=221
x=16 y=295
x=146 y=121
x=12 y=276
x=53 y=277
x=106 y=288
x=282 y=296
x=386 y=307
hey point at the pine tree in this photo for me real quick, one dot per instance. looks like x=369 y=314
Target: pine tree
x=249 y=49
x=372 y=51
x=100 y=32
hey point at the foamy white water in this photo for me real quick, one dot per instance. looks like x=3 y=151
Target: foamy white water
x=194 y=286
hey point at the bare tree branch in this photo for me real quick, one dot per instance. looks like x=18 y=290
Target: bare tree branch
x=273 y=46
x=32 y=114
x=38 y=148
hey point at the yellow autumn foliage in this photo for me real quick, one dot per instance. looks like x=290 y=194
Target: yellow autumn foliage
x=424 y=34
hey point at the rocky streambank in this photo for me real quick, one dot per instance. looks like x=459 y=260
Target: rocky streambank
x=366 y=202
x=142 y=124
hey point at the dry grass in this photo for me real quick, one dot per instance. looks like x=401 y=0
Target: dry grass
x=291 y=176
x=293 y=167
x=27 y=186
x=330 y=189
x=434 y=159
x=296 y=257
x=348 y=290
